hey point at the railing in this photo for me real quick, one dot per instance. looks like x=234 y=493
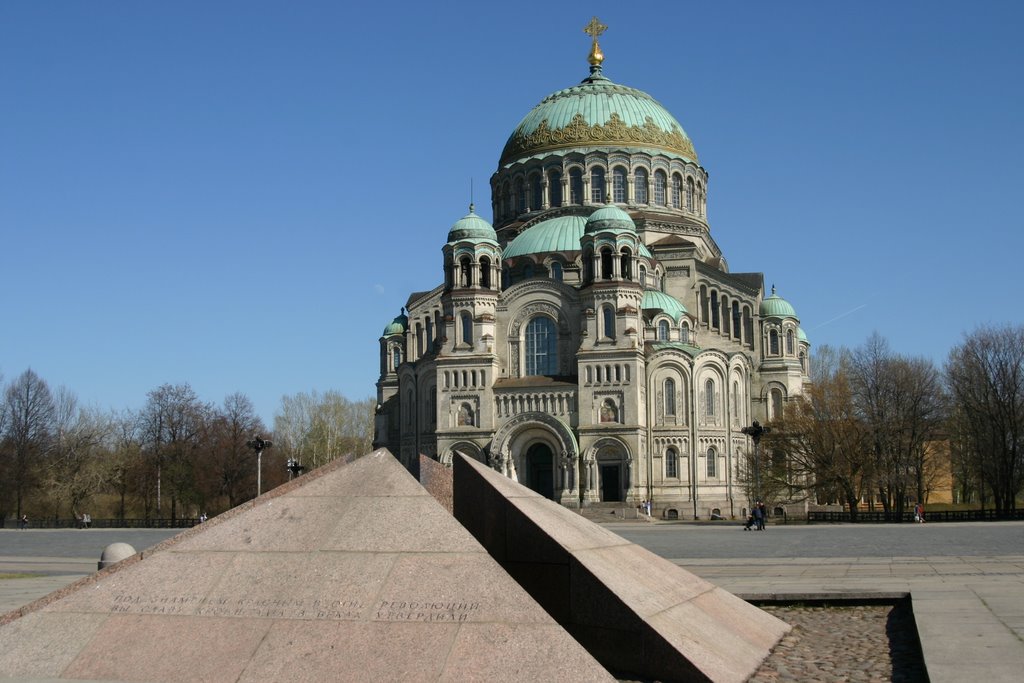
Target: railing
x=556 y=403
x=50 y=523
x=868 y=517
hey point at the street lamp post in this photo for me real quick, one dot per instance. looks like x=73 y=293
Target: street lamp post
x=755 y=431
x=259 y=445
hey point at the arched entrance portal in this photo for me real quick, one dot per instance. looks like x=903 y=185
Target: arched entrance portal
x=611 y=481
x=540 y=469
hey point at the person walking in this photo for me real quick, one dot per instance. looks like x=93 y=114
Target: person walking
x=758 y=519
x=763 y=510
x=23 y=522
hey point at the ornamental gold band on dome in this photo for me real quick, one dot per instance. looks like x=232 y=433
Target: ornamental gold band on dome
x=615 y=131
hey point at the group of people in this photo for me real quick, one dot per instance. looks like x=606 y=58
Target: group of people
x=755 y=519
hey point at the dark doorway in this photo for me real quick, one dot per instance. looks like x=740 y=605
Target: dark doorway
x=611 y=487
x=540 y=475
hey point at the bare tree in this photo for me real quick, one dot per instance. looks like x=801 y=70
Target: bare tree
x=985 y=376
x=822 y=434
x=316 y=429
x=902 y=405
x=29 y=414
x=75 y=469
x=230 y=464
x=171 y=423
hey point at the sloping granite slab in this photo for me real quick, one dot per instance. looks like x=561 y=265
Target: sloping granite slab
x=352 y=572
x=637 y=613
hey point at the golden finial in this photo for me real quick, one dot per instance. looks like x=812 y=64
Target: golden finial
x=594 y=29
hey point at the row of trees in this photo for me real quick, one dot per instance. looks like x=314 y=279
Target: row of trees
x=875 y=425
x=175 y=457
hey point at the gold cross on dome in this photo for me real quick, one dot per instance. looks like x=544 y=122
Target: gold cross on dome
x=594 y=28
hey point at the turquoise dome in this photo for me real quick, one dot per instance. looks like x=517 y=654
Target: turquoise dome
x=597 y=113
x=610 y=218
x=801 y=335
x=472 y=227
x=397 y=326
x=655 y=300
x=776 y=307
x=555 y=234
x=560 y=234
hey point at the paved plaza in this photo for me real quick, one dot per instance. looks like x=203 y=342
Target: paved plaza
x=966 y=579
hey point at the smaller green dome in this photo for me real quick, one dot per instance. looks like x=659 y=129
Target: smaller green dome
x=801 y=335
x=610 y=218
x=397 y=326
x=655 y=300
x=776 y=307
x=472 y=227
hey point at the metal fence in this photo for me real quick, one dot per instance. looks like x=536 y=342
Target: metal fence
x=868 y=517
x=51 y=523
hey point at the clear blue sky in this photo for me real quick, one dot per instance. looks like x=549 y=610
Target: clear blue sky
x=241 y=195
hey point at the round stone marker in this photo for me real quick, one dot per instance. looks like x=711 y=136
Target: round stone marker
x=115 y=552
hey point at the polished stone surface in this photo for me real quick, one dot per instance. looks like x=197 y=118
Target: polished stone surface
x=639 y=614
x=353 y=572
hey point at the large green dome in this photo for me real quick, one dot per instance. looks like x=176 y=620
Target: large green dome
x=597 y=113
x=559 y=234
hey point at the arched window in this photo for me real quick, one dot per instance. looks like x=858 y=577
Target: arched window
x=803 y=361
x=609 y=321
x=776 y=404
x=671 y=464
x=625 y=263
x=789 y=342
x=485 y=272
x=773 y=342
x=467 y=327
x=662 y=330
x=506 y=200
x=541 y=347
x=555 y=188
x=712 y=463
x=520 y=192
x=737 y=320
x=597 y=185
x=556 y=271
x=643 y=276
x=527 y=271
x=575 y=186
x=684 y=333
x=396 y=357
x=670 y=396
x=640 y=186
x=701 y=200
x=715 y=312
x=736 y=400
x=506 y=277
x=659 y=188
x=466 y=416
x=619 y=185
x=465 y=272
x=689 y=194
x=606 y=263
x=588 y=266
x=536 y=193
x=677 y=190
x=430 y=335
x=709 y=397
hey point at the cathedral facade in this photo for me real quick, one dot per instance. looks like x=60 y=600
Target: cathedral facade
x=591 y=343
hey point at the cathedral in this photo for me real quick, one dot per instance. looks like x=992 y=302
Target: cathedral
x=591 y=342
